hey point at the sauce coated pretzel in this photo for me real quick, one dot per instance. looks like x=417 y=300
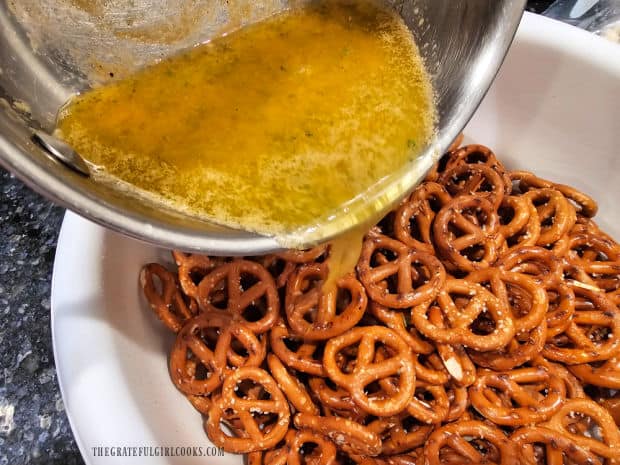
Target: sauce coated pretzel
x=461 y=303
x=466 y=233
x=368 y=370
x=536 y=392
x=168 y=302
x=557 y=447
x=412 y=285
x=526 y=300
x=399 y=435
x=315 y=313
x=413 y=221
x=354 y=437
x=224 y=290
x=593 y=335
x=607 y=445
x=605 y=375
x=473 y=179
x=519 y=222
x=480 y=326
x=282 y=265
x=585 y=204
x=192 y=353
x=252 y=438
x=191 y=269
x=469 y=443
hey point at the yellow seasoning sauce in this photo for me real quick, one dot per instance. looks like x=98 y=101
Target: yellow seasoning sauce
x=270 y=128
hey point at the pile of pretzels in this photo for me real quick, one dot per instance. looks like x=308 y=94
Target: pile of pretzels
x=481 y=326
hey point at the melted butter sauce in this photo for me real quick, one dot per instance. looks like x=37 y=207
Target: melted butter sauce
x=344 y=253
x=269 y=128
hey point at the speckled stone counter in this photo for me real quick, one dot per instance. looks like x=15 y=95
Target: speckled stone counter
x=33 y=424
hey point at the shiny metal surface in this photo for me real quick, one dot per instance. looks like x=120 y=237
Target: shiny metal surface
x=51 y=49
x=62 y=151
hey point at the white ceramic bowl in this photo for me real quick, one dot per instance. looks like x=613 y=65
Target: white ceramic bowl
x=554 y=110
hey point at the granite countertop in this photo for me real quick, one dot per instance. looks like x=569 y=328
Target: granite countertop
x=33 y=425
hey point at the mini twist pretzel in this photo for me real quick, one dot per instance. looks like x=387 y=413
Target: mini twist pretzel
x=594 y=254
x=438 y=168
x=469 y=443
x=191 y=350
x=281 y=265
x=494 y=396
x=230 y=278
x=557 y=447
x=168 y=305
x=578 y=278
x=237 y=346
x=230 y=418
x=279 y=269
x=302 y=357
x=429 y=411
x=414 y=219
x=200 y=403
x=561 y=308
x=539 y=263
x=429 y=404
x=612 y=405
x=513 y=290
x=476 y=154
x=553 y=209
x=585 y=204
x=316 y=313
x=367 y=370
x=476 y=246
x=188 y=354
x=253 y=438
x=605 y=375
x=399 y=433
x=412 y=284
x=521 y=349
x=454 y=357
x=574 y=389
x=292 y=388
x=396 y=321
x=431 y=369
x=191 y=269
x=608 y=442
x=356 y=414
x=589 y=226
x=593 y=335
x=459 y=402
x=337 y=399
x=458 y=320
x=324 y=454
x=278 y=456
x=478 y=179
x=519 y=222
x=413 y=457
x=346 y=434
x=610 y=284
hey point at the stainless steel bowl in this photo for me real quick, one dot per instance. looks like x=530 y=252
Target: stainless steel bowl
x=51 y=49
